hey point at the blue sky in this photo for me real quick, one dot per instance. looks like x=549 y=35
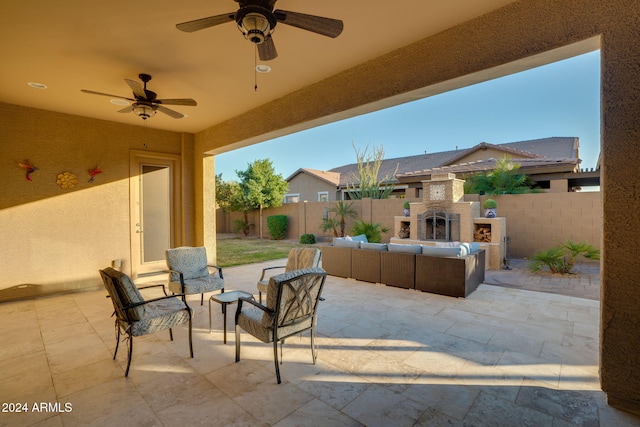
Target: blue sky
x=559 y=99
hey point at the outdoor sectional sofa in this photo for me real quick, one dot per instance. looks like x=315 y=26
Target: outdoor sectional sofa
x=454 y=271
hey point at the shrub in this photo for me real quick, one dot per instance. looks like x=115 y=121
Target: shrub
x=373 y=231
x=406 y=205
x=490 y=204
x=242 y=225
x=307 y=239
x=561 y=259
x=277 y=225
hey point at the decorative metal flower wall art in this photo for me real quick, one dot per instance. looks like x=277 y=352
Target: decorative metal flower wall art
x=67 y=180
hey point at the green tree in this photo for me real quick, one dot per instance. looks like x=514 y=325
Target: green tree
x=225 y=191
x=368 y=170
x=505 y=178
x=260 y=187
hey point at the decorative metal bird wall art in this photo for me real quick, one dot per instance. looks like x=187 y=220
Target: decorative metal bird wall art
x=29 y=168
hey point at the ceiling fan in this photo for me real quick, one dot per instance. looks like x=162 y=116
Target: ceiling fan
x=145 y=102
x=256 y=19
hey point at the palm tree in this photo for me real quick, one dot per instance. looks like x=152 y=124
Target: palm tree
x=505 y=178
x=342 y=211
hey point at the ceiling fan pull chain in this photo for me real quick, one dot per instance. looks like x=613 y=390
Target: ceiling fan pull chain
x=255 y=68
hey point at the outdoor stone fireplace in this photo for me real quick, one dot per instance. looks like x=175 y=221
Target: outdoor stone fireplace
x=443 y=215
x=439 y=226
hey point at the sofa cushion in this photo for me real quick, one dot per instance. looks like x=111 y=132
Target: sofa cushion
x=374 y=246
x=475 y=247
x=443 y=252
x=409 y=249
x=466 y=249
x=344 y=243
x=447 y=244
x=359 y=238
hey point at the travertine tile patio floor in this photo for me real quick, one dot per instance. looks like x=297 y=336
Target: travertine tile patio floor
x=388 y=357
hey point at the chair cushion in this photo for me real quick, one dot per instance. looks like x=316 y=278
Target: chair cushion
x=127 y=292
x=191 y=262
x=252 y=320
x=200 y=285
x=300 y=258
x=159 y=315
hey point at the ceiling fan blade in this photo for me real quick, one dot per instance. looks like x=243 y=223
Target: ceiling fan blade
x=169 y=112
x=325 y=26
x=92 y=92
x=267 y=50
x=179 y=101
x=202 y=23
x=138 y=91
x=126 y=109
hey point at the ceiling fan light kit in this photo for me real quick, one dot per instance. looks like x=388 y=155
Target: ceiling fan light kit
x=257 y=19
x=145 y=101
x=255 y=23
x=144 y=111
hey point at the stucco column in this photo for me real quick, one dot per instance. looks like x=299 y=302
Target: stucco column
x=205 y=184
x=620 y=302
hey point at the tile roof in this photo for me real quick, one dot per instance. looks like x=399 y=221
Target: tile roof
x=548 y=148
x=327 y=176
x=489 y=164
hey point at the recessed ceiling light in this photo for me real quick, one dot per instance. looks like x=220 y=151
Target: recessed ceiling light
x=37 y=85
x=120 y=102
x=262 y=68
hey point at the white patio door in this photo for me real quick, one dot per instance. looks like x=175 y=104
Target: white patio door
x=154 y=199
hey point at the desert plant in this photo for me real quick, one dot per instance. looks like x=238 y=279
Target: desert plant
x=561 y=258
x=367 y=183
x=341 y=212
x=330 y=224
x=373 y=231
x=307 y=239
x=277 y=225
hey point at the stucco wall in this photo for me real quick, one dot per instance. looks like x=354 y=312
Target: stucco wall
x=53 y=239
x=534 y=221
x=539 y=221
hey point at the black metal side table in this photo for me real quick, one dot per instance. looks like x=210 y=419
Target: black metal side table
x=226 y=298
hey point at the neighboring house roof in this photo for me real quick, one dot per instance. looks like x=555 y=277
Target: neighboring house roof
x=544 y=149
x=329 y=177
x=529 y=165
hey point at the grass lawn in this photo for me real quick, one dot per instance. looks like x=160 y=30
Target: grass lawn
x=246 y=251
